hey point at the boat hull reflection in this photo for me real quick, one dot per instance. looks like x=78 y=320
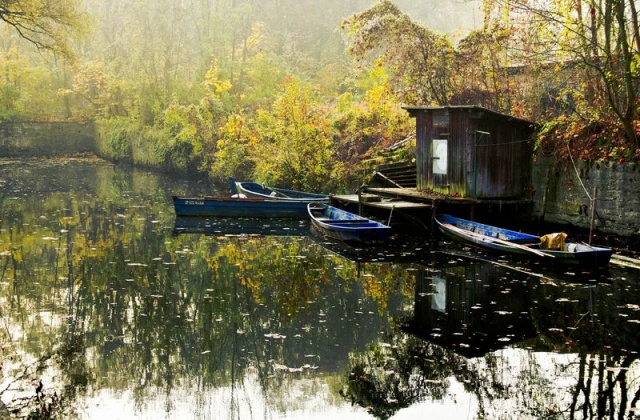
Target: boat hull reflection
x=241 y=226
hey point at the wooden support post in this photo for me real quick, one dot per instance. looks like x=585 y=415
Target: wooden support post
x=543 y=210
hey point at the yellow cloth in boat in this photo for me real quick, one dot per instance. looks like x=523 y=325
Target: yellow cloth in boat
x=554 y=241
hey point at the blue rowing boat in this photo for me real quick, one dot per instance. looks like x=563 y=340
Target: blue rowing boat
x=339 y=224
x=225 y=206
x=523 y=244
x=254 y=189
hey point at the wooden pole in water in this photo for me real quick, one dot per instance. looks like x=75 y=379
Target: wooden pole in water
x=543 y=210
x=593 y=213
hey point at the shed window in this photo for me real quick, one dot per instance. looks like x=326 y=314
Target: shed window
x=439 y=154
x=439 y=300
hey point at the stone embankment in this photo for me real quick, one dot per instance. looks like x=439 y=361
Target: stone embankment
x=46 y=138
x=564 y=194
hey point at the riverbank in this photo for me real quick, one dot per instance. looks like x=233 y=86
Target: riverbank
x=563 y=194
x=30 y=138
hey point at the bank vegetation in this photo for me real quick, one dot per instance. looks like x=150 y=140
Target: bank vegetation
x=307 y=94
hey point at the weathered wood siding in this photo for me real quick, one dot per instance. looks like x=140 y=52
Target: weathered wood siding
x=503 y=157
x=459 y=153
x=423 y=154
x=496 y=164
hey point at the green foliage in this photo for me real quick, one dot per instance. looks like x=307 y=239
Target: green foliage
x=481 y=74
x=10 y=66
x=368 y=125
x=264 y=90
x=594 y=45
x=180 y=157
x=129 y=142
x=232 y=152
x=90 y=92
x=27 y=91
x=293 y=142
x=598 y=140
x=263 y=73
x=118 y=133
x=192 y=129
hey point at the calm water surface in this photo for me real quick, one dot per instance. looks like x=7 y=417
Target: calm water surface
x=124 y=311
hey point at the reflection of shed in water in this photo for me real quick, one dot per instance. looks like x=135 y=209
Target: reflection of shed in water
x=473 y=152
x=474 y=308
x=470 y=309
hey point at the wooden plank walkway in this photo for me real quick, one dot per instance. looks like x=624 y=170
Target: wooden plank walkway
x=414 y=194
x=370 y=200
x=415 y=206
x=625 y=261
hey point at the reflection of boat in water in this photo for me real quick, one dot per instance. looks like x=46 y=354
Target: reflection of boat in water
x=405 y=250
x=523 y=244
x=241 y=226
x=549 y=273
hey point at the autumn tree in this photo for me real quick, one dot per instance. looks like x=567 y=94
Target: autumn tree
x=596 y=43
x=482 y=75
x=368 y=123
x=293 y=142
x=418 y=60
x=49 y=25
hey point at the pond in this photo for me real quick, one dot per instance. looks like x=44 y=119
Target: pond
x=113 y=308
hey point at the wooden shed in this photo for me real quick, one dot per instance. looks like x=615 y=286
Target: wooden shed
x=472 y=152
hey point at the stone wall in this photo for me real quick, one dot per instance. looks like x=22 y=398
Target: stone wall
x=46 y=138
x=562 y=195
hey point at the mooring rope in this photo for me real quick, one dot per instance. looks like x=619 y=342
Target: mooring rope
x=577 y=173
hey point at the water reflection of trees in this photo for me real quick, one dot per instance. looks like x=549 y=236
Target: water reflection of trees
x=134 y=308
x=396 y=374
x=561 y=348
x=97 y=284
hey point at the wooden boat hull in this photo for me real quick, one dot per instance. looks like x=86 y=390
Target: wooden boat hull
x=521 y=244
x=238 y=207
x=254 y=189
x=342 y=225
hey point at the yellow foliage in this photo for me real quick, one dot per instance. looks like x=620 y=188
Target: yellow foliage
x=214 y=84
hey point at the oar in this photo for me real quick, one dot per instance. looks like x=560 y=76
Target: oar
x=275 y=192
x=497 y=240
